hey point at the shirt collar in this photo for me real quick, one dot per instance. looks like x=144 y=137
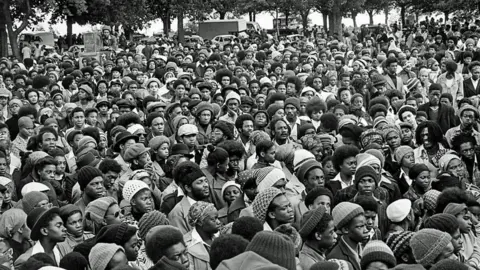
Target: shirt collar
x=38 y=248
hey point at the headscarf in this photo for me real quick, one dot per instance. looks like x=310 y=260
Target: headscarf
x=198 y=212
x=445 y=160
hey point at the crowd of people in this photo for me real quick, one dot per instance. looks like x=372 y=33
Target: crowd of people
x=297 y=155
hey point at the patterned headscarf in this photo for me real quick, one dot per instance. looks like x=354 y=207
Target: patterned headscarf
x=311 y=141
x=371 y=136
x=198 y=212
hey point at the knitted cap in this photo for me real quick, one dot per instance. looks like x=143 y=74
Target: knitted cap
x=402 y=151
x=449 y=264
x=262 y=201
x=116 y=233
x=101 y=254
x=73 y=261
x=306 y=167
x=293 y=101
x=344 y=212
x=86 y=174
x=274 y=247
x=454 y=208
x=442 y=222
x=427 y=244
x=97 y=209
x=31 y=199
x=325 y=265
x=310 y=220
x=399 y=243
x=11 y=221
x=268 y=176
x=377 y=251
x=132 y=187
x=399 y=210
x=430 y=199
x=365 y=171
x=300 y=157
x=150 y=220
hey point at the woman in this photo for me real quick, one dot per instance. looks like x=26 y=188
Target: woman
x=138 y=199
x=123 y=235
x=72 y=219
x=391 y=135
x=230 y=192
x=452 y=82
x=102 y=212
x=421 y=182
x=203 y=217
x=204 y=119
x=160 y=146
x=85 y=97
x=452 y=173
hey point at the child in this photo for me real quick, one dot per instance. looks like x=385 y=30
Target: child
x=230 y=192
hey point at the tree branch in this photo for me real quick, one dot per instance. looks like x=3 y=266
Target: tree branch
x=25 y=18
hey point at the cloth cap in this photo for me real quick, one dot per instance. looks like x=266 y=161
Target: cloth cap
x=84 y=140
x=454 y=208
x=262 y=201
x=25 y=122
x=399 y=210
x=377 y=251
x=310 y=220
x=134 y=151
x=293 y=101
x=430 y=199
x=202 y=106
x=445 y=160
x=274 y=247
x=402 y=151
x=229 y=184
x=101 y=254
x=428 y=244
x=157 y=141
x=34 y=186
x=86 y=174
x=132 y=187
x=150 y=220
x=31 y=199
x=344 y=212
x=449 y=264
x=306 y=167
x=301 y=156
x=187 y=129
x=268 y=176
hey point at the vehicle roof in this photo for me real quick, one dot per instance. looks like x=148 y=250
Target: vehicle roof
x=224 y=36
x=233 y=20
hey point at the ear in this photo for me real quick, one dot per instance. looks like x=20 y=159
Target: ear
x=344 y=230
x=44 y=231
x=318 y=236
x=187 y=188
x=135 y=162
x=404 y=257
x=262 y=154
x=122 y=146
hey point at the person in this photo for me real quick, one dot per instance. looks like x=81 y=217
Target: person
x=146 y=225
x=265 y=153
x=318 y=232
x=449 y=224
x=48 y=230
x=138 y=196
x=421 y=182
x=468 y=117
x=372 y=210
x=72 y=217
x=203 y=218
x=350 y=220
x=90 y=180
x=399 y=243
x=274 y=247
x=111 y=171
x=401 y=217
x=105 y=256
x=14 y=230
x=377 y=255
x=430 y=246
x=123 y=141
x=405 y=157
x=438 y=112
x=226 y=247
x=464 y=144
x=166 y=244
x=345 y=163
x=195 y=186
x=272 y=208
x=123 y=235
x=218 y=160
x=101 y=212
x=230 y=192
x=25 y=131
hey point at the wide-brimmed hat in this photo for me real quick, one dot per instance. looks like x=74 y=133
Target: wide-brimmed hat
x=122 y=138
x=36 y=218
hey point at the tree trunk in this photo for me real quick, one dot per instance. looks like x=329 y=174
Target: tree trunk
x=254 y=16
x=305 y=19
x=13 y=34
x=165 y=21
x=180 y=31
x=386 y=15
x=402 y=15
x=331 y=23
x=250 y=17
x=325 y=21
x=354 y=18
x=69 y=31
x=338 y=25
x=222 y=15
x=370 y=16
x=3 y=36
x=286 y=18
x=446 y=15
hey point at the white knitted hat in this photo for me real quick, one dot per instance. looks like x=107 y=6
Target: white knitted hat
x=131 y=188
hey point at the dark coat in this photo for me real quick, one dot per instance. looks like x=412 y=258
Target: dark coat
x=342 y=252
x=469 y=90
x=446 y=116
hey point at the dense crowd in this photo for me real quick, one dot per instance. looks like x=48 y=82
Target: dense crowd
x=359 y=154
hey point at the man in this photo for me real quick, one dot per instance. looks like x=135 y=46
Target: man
x=394 y=82
x=138 y=156
x=318 y=230
x=470 y=85
x=44 y=172
x=110 y=170
x=48 y=230
x=465 y=145
x=468 y=119
x=280 y=131
x=47 y=139
x=195 y=186
x=272 y=208
x=265 y=151
x=123 y=141
x=187 y=135
x=165 y=244
x=345 y=164
x=349 y=218
x=77 y=118
x=221 y=131
x=25 y=127
x=442 y=114
x=14 y=106
x=244 y=125
x=292 y=110
x=90 y=180
x=430 y=246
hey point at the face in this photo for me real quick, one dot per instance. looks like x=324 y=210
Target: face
x=61 y=164
x=283 y=211
x=142 y=201
x=315 y=178
x=328 y=238
x=348 y=166
x=189 y=140
x=377 y=266
x=464 y=221
x=143 y=159
x=434 y=97
x=179 y=254
x=409 y=117
x=233 y=105
x=56 y=230
x=457 y=241
x=211 y=224
x=447 y=253
x=47 y=173
x=113 y=215
x=281 y=130
x=393 y=140
x=199 y=189
x=95 y=188
x=32 y=97
x=468 y=117
x=370 y=217
x=423 y=180
x=131 y=248
x=118 y=260
x=231 y=193
x=321 y=200
x=455 y=167
x=269 y=155
x=247 y=128
x=74 y=224
x=357 y=229
x=78 y=119
x=467 y=150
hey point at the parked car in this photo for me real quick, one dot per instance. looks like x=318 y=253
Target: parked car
x=222 y=40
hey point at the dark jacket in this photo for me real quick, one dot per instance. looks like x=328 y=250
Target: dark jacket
x=342 y=252
x=468 y=88
x=446 y=116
